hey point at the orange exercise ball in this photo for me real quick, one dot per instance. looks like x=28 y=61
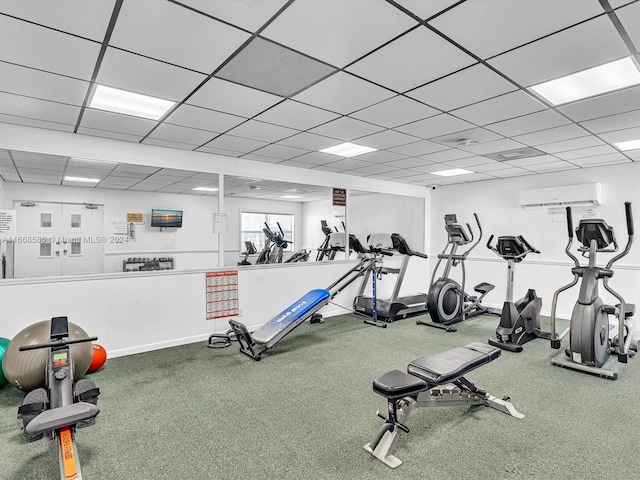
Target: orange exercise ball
x=98 y=359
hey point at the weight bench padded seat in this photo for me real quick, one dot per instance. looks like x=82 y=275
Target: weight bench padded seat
x=396 y=384
x=448 y=366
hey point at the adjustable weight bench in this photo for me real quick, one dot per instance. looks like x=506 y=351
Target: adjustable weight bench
x=417 y=388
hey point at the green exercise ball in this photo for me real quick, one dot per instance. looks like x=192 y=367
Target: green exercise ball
x=26 y=370
x=4 y=343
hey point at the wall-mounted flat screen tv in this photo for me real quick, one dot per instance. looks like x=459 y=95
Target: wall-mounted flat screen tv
x=166 y=218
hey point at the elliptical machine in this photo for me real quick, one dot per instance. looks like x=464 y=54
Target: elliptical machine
x=519 y=321
x=447 y=301
x=590 y=342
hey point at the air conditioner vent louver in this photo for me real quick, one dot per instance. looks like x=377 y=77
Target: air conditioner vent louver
x=514 y=154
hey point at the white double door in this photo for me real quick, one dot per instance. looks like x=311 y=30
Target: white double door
x=57 y=239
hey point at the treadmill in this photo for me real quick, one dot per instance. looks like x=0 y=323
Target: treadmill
x=397 y=307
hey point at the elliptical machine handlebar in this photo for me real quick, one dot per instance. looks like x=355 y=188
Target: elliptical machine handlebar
x=627 y=211
x=629 y=215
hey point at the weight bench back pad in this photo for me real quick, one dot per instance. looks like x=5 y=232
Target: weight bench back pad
x=448 y=366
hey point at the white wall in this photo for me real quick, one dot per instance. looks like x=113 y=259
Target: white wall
x=193 y=246
x=496 y=203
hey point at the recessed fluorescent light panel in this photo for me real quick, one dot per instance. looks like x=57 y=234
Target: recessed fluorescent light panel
x=348 y=150
x=129 y=103
x=588 y=83
x=630 y=145
x=81 y=179
x=291 y=196
x=452 y=173
x=205 y=189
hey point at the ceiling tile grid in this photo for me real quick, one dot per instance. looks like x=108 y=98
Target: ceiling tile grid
x=435 y=84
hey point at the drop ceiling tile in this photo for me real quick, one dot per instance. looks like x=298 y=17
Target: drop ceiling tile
x=335 y=31
x=586 y=152
x=500 y=25
x=281 y=152
x=435 y=126
x=584 y=46
x=396 y=111
x=604 y=105
x=493 y=147
x=31 y=157
x=146 y=76
x=133 y=171
x=113 y=122
x=125 y=182
x=573 y=144
x=174 y=173
x=106 y=134
x=196 y=41
x=228 y=97
x=9 y=177
x=552 y=135
x=621 y=135
x=203 y=118
x=86 y=19
x=402 y=72
x=418 y=148
x=220 y=151
x=234 y=144
x=395 y=174
x=386 y=139
x=424 y=9
x=348 y=164
x=308 y=141
x=510 y=172
x=38 y=109
x=629 y=16
x=408 y=163
x=448 y=156
x=500 y=108
x=248 y=15
x=487 y=167
x=168 y=143
x=272 y=68
x=371 y=170
x=619 y=3
x=260 y=158
x=30 y=122
x=262 y=131
x=614 y=122
x=468 y=86
x=525 y=162
x=44 y=85
x=38 y=47
x=610 y=159
x=528 y=123
x=296 y=115
x=468 y=162
x=343 y=93
x=346 y=129
x=381 y=156
x=552 y=166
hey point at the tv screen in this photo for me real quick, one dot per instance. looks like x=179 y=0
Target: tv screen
x=166 y=218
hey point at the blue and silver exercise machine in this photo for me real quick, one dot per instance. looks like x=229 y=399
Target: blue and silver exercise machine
x=264 y=338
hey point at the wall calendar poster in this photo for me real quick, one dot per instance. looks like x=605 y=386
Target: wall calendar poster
x=222 y=294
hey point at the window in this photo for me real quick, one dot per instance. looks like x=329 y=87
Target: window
x=252 y=224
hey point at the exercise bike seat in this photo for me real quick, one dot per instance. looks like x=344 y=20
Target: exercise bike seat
x=448 y=366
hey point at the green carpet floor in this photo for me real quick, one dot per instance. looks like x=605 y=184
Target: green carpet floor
x=307 y=409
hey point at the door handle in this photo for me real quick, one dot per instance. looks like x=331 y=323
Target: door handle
x=57 y=252
x=64 y=251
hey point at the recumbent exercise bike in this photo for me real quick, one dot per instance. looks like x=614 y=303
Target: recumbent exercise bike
x=519 y=321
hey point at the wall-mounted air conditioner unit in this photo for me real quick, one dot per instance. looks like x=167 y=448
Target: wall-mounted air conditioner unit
x=569 y=196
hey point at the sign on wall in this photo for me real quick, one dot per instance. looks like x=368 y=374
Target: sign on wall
x=7 y=224
x=134 y=218
x=222 y=294
x=339 y=197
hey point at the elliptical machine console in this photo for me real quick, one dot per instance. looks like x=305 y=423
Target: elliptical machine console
x=447 y=301
x=590 y=339
x=519 y=321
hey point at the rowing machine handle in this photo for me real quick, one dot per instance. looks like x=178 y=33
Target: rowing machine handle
x=569 y=222
x=627 y=209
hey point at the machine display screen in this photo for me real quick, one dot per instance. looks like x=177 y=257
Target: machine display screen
x=60 y=358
